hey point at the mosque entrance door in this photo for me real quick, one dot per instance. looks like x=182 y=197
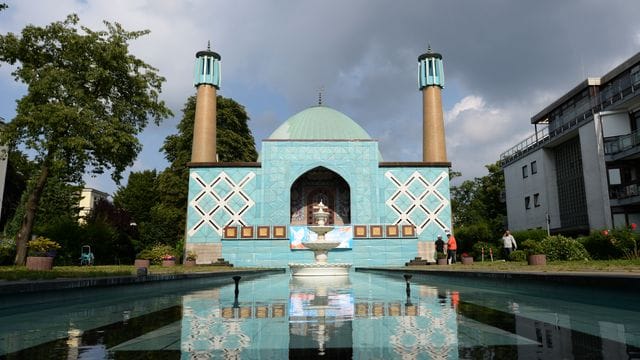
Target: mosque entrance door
x=320 y=184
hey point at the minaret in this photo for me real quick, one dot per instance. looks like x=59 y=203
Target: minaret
x=207 y=81
x=431 y=78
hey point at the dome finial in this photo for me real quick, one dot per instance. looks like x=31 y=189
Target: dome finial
x=320 y=91
x=429 y=48
x=208 y=45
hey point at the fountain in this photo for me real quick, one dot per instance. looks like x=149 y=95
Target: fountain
x=320 y=248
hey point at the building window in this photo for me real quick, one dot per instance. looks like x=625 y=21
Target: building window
x=527 y=202
x=534 y=167
x=536 y=199
x=525 y=172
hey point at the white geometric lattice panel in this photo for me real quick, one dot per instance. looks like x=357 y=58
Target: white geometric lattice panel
x=221 y=202
x=417 y=201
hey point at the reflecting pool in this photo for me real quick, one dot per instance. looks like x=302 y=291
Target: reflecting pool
x=363 y=316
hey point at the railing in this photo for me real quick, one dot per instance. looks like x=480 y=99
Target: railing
x=618 y=144
x=525 y=146
x=607 y=98
x=623 y=191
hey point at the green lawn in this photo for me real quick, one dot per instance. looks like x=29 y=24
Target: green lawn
x=625 y=266
x=60 y=272
x=13 y=273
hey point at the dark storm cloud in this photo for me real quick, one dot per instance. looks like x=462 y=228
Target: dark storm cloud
x=504 y=60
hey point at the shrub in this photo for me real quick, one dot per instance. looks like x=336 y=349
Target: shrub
x=488 y=246
x=7 y=251
x=42 y=246
x=562 y=248
x=157 y=252
x=518 y=255
x=471 y=234
x=613 y=244
x=439 y=255
x=532 y=247
x=535 y=234
x=626 y=242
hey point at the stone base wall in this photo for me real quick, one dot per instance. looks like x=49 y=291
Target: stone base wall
x=207 y=253
x=427 y=250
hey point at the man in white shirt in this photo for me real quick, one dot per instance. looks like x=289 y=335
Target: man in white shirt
x=508 y=244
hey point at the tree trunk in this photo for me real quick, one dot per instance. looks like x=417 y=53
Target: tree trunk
x=30 y=214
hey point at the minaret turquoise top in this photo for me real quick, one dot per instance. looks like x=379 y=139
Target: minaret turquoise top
x=430 y=70
x=207 y=68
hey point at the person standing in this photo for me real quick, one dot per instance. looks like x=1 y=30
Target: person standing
x=508 y=244
x=452 y=247
x=439 y=245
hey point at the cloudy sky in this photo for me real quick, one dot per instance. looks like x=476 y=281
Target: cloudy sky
x=504 y=61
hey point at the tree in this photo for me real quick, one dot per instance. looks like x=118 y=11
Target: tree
x=110 y=234
x=87 y=100
x=18 y=173
x=478 y=207
x=139 y=196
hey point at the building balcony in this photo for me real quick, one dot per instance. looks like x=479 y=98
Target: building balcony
x=624 y=194
x=623 y=146
x=625 y=95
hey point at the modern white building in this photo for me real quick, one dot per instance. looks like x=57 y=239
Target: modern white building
x=89 y=198
x=580 y=170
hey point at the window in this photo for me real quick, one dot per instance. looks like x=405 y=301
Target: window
x=525 y=172
x=534 y=167
x=527 y=202
x=536 y=199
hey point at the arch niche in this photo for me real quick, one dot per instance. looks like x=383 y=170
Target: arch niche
x=318 y=184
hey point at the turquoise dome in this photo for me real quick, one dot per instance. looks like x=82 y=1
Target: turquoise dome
x=319 y=123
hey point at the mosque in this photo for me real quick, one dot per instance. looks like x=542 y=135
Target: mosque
x=257 y=213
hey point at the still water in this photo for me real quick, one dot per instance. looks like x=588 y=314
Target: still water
x=364 y=316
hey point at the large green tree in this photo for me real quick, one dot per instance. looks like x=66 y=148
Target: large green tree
x=87 y=100
x=478 y=206
x=16 y=178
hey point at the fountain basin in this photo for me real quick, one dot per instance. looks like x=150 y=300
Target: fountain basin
x=315 y=269
x=321 y=245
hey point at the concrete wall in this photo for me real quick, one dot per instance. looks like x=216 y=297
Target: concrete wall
x=517 y=188
x=615 y=123
x=594 y=172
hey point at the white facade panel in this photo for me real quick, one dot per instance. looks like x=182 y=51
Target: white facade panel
x=518 y=188
x=594 y=172
x=615 y=123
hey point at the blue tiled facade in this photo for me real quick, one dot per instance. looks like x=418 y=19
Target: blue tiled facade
x=260 y=195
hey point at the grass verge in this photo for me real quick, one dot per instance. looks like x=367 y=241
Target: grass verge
x=15 y=273
x=620 y=266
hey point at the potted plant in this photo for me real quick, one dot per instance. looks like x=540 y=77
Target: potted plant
x=441 y=258
x=535 y=252
x=143 y=259
x=466 y=259
x=536 y=258
x=168 y=260
x=190 y=258
x=42 y=250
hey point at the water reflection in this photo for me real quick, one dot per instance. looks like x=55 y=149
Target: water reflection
x=363 y=316
x=323 y=317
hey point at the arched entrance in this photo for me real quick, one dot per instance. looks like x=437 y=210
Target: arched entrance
x=320 y=184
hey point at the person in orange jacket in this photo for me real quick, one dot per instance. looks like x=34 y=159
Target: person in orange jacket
x=452 y=247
